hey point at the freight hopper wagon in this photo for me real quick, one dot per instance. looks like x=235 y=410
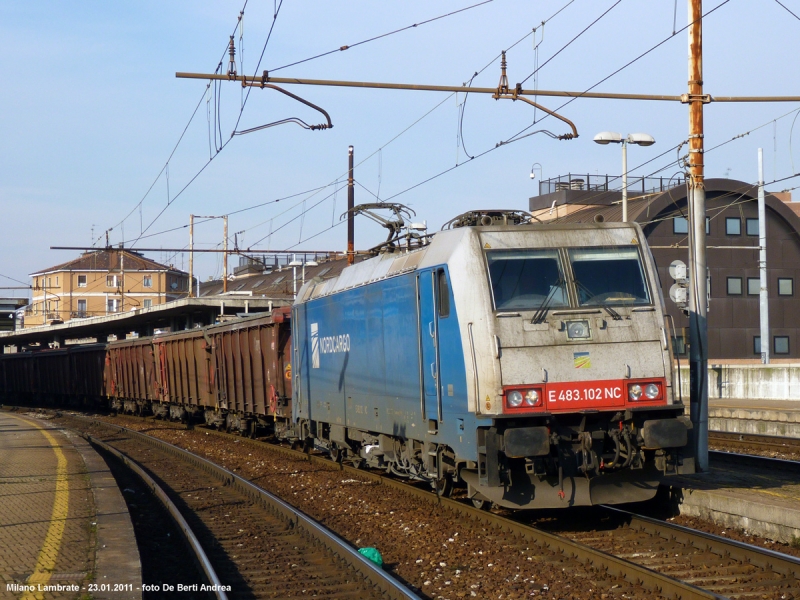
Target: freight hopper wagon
x=235 y=376
x=54 y=377
x=529 y=363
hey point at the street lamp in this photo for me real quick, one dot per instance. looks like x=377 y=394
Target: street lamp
x=640 y=139
x=533 y=169
x=299 y=263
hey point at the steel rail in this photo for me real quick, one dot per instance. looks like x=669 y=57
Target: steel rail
x=768 y=442
x=602 y=561
x=390 y=587
x=746 y=553
x=188 y=534
x=755 y=461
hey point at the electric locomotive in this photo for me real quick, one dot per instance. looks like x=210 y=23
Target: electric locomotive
x=528 y=362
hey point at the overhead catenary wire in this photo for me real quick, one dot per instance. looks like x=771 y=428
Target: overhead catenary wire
x=565 y=46
x=468 y=84
x=378 y=37
x=379 y=150
x=223 y=144
x=15 y=280
x=617 y=71
x=787 y=10
x=361 y=162
x=180 y=138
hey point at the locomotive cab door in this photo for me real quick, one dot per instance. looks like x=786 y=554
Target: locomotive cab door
x=430 y=388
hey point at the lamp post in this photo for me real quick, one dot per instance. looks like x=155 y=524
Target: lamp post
x=533 y=170
x=640 y=139
x=294 y=264
x=299 y=263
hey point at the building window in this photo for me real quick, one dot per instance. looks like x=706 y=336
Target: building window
x=681 y=225
x=49 y=282
x=757 y=345
x=81 y=308
x=785 y=286
x=81 y=280
x=679 y=345
x=752 y=227
x=781 y=344
x=112 y=281
x=733 y=226
x=734 y=286
x=112 y=305
x=56 y=280
x=147 y=303
x=753 y=286
x=147 y=281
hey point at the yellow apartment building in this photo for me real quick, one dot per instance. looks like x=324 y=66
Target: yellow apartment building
x=102 y=282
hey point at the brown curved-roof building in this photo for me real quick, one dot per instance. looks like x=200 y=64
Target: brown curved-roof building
x=732 y=228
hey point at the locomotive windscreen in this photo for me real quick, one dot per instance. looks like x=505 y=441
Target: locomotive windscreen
x=611 y=275
x=524 y=279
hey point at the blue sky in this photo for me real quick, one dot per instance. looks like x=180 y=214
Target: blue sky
x=91 y=109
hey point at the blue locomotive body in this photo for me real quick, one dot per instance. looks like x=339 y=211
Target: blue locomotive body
x=362 y=363
x=450 y=364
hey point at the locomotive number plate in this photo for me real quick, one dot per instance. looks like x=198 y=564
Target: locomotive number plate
x=585 y=394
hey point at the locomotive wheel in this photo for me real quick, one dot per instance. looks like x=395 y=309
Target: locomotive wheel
x=443 y=487
x=481 y=503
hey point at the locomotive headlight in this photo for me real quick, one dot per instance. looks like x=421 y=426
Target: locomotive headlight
x=514 y=398
x=651 y=391
x=578 y=330
x=635 y=391
x=532 y=398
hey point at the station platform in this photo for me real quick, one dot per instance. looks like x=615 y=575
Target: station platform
x=65 y=531
x=764 y=503
x=780 y=417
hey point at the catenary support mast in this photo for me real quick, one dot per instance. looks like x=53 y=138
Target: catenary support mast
x=698 y=297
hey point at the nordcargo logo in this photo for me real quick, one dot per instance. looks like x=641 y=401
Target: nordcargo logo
x=315 y=346
x=326 y=345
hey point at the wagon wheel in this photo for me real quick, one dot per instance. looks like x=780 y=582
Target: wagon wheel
x=336 y=453
x=443 y=486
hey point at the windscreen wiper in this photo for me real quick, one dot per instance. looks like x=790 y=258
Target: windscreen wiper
x=612 y=313
x=541 y=312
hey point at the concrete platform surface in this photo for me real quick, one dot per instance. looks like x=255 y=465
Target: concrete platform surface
x=779 y=417
x=764 y=503
x=64 y=526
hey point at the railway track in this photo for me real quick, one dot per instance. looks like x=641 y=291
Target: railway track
x=585 y=572
x=643 y=553
x=661 y=557
x=729 y=568
x=750 y=443
x=225 y=516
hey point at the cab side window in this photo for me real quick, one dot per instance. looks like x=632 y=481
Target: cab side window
x=442 y=294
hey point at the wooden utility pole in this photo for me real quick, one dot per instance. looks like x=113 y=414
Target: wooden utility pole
x=191 y=255
x=351 y=234
x=698 y=287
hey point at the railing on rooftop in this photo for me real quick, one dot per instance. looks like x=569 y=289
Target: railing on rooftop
x=607 y=183
x=280 y=260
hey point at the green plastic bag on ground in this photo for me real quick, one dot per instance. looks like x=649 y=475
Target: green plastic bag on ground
x=373 y=554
